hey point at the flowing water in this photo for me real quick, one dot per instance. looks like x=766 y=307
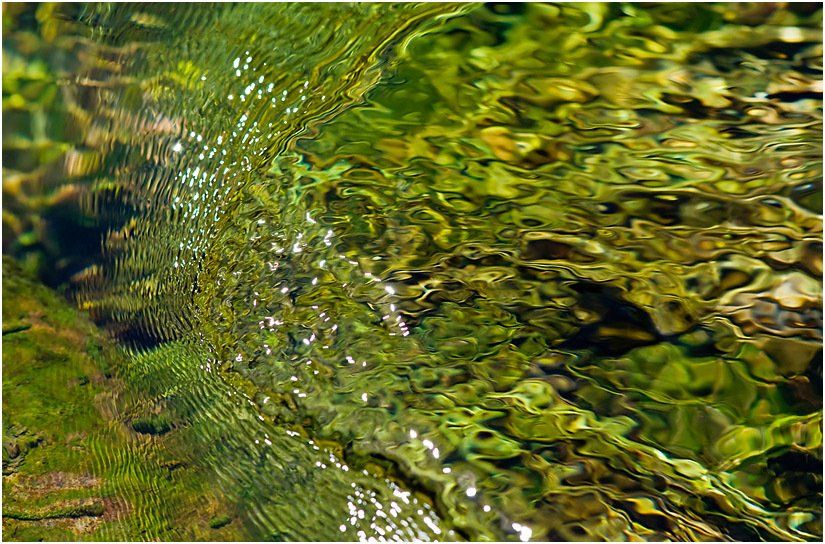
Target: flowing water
x=434 y=271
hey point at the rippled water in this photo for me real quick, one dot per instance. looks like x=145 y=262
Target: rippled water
x=528 y=271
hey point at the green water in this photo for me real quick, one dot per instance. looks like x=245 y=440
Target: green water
x=546 y=272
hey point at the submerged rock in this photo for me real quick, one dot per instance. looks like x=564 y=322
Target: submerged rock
x=68 y=465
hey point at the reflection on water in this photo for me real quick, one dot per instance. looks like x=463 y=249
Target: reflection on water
x=438 y=272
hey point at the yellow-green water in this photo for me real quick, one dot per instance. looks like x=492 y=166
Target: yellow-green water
x=439 y=271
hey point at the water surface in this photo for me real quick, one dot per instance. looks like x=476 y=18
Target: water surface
x=528 y=271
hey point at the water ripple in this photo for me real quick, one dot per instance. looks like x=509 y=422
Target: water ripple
x=556 y=268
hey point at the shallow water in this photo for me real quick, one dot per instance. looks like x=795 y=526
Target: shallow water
x=544 y=272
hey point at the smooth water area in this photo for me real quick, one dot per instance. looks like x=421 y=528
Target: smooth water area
x=444 y=272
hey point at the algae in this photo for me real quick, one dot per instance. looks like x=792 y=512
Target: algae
x=72 y=469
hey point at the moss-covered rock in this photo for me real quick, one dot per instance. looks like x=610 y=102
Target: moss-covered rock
x=71 y=466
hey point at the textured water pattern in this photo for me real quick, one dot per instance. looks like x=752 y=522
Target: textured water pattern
x=525 y=271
